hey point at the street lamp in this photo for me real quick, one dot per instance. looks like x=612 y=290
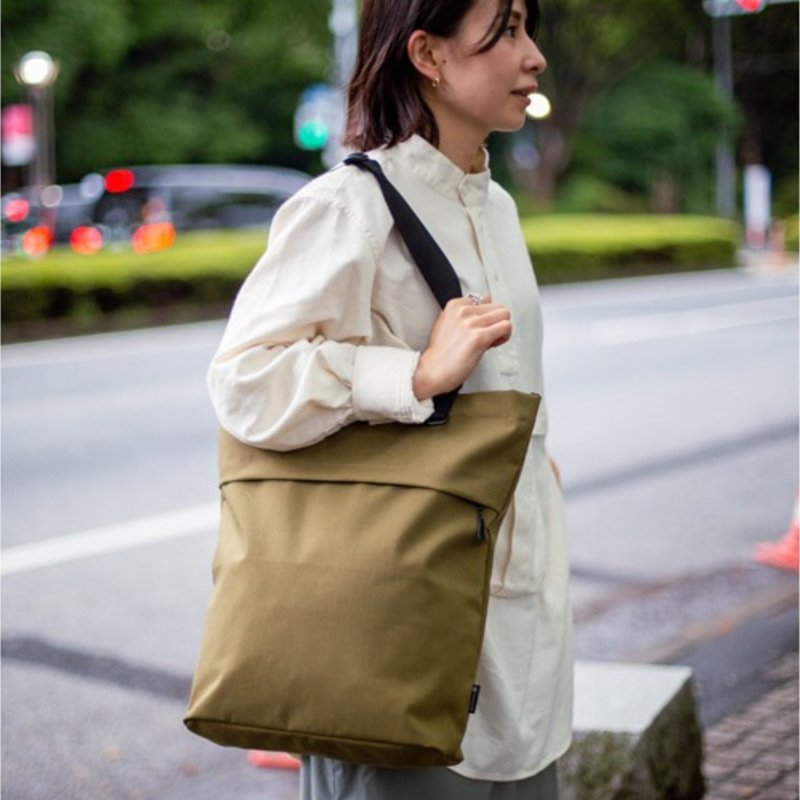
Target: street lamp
x=37 y=72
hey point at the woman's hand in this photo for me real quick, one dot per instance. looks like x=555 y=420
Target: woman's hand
x=462 y=333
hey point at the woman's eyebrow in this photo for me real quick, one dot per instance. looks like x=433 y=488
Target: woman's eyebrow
x=515 y=17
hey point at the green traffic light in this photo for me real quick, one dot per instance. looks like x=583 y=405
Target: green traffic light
x=313 y=135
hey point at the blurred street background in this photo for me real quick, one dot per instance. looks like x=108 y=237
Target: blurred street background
x=146 y=147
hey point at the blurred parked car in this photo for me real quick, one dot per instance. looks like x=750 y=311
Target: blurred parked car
x=33 y=220
x=144 y=207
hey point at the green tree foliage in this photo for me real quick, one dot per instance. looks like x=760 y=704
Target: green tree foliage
x=591 y=46
x=160 y=81
x=155 y=81
x=654 y=134
x=605 y=52
x=80 y=34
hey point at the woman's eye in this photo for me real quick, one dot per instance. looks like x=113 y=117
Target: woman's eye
x=511 y=31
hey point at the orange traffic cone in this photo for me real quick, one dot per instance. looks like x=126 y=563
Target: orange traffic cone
x=783 y=553
x=269 y=760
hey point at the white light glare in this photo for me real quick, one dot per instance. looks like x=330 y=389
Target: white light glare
x=539 y=107
x=37 y=69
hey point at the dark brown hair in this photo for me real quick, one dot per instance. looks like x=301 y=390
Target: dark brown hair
x=384 y=104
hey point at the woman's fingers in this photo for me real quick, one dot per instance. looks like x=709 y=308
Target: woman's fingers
x=485 y=314
x=501 y=339
x=485 y=325
x=463 y=332
x=494 y=324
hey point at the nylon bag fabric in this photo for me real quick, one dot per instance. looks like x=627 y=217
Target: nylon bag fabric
x=351 y=582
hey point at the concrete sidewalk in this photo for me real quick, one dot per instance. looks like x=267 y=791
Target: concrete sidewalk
x=753 y=753
x=737 y=629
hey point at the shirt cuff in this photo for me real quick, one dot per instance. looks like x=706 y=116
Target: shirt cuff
x=382 y=386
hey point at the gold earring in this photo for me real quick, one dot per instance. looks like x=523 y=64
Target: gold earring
x=435 y=83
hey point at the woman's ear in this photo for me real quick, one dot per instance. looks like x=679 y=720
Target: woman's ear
x=422 y=50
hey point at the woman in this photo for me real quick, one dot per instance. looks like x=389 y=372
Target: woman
x=335 y=324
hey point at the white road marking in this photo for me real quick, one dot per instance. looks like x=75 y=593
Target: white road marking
x=101 y=346
x=109 y=539
x=694 y=321
x=668 y=324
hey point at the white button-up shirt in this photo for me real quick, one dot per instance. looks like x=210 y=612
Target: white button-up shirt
x=328 y=328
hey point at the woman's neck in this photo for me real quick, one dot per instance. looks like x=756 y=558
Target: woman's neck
x=466 y=152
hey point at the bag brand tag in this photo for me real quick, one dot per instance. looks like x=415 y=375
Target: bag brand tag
x=473 y=698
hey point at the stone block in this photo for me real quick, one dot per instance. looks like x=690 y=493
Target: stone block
x=636 y=735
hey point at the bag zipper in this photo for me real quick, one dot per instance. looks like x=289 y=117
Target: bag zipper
x=480 y=528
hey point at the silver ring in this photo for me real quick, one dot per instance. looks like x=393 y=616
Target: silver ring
x=477 y=299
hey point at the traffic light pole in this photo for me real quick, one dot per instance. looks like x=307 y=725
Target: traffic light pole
x=320 y=113
x=721 y=12
x=725 y=162
x=343 y=24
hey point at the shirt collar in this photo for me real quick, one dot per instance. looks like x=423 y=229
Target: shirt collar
x=440 y=173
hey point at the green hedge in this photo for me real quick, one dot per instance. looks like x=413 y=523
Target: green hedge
x=204 y=270
x=792 y=240
x=586 y=247
x=199 y=269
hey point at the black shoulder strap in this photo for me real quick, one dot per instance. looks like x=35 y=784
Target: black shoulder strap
x=431 y=261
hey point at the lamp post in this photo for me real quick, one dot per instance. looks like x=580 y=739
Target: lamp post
x=37 y=72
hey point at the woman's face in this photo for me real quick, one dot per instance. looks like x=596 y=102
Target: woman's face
x=484 y=92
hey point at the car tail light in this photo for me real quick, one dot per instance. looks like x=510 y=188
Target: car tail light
x=36 y=241
x=86 y=240
x=119 y=180
x=16 y=209
x=153 y=237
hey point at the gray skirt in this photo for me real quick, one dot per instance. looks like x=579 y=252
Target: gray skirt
x=327 y=779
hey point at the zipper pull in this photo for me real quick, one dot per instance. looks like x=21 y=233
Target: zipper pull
x=480 y=530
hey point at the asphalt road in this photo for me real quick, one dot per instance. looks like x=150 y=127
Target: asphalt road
x=673 y=407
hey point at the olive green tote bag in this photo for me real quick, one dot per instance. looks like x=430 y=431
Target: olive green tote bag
x=351 y=578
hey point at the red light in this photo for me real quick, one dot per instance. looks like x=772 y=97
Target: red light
x=86 y=240
x=152 y=237
x=119 y=180
x=37 y=241
x=749 y=6
x=16 y=209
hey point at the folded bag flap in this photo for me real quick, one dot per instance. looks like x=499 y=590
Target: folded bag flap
x=485 y=428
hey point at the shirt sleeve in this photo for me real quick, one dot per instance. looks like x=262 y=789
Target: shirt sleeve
x=295 y=363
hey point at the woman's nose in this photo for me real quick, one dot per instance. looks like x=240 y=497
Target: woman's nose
x=535 y=61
